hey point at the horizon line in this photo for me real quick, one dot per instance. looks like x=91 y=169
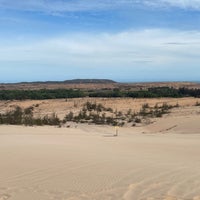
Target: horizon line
x=99 y=79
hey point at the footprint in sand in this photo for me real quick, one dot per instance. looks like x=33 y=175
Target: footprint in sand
x=4 y=196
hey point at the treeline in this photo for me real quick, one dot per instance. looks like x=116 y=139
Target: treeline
x=40 y=94
x=157 y=92
x=72 y=93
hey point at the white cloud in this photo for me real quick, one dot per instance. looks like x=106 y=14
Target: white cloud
x=153 y=48
x=183 y=4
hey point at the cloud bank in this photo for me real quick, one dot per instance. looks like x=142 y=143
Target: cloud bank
x=91 y=5
x=153 y=47
x=151 y=54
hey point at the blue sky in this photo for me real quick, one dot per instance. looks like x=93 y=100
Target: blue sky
x=124 y=40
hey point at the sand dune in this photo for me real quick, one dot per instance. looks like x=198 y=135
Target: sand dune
x=81 y=163
x=182 y=120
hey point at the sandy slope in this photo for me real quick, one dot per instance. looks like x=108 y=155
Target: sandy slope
x=86 y=163
x=180 y=120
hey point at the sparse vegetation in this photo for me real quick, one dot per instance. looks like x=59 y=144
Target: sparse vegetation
x=89 y=112
x=156 y=111
x=93 y=113
x=18 y=116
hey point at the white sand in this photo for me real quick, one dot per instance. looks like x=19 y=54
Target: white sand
x=46 y=163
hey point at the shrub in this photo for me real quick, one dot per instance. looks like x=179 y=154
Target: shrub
x=138 y=120
x=129 y=112
x=145 y=106
x=69 y=116
x=197 y=104
x=28 y=111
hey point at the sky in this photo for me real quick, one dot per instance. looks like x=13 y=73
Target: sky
x=122 y=40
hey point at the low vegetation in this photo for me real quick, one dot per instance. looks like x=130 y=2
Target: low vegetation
x=18 y=116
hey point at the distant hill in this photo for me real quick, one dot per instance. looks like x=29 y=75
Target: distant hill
x=94 y=84
x=67 y=84
x=85 y=81
x=73 y=81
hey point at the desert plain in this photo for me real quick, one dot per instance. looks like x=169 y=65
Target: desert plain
x=156 y=161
